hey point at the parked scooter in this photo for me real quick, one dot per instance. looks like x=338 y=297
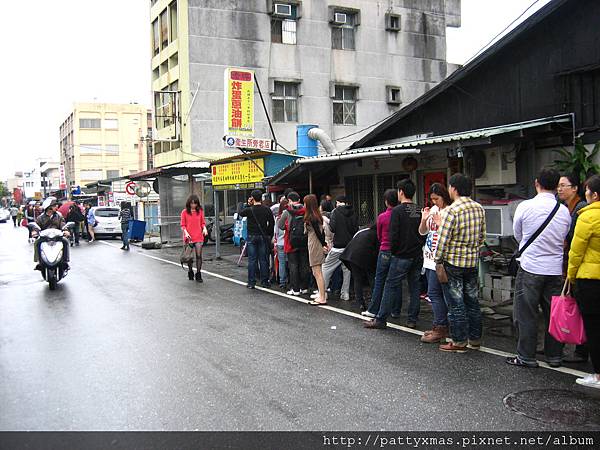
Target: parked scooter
x=52 y=245
x=225 y=230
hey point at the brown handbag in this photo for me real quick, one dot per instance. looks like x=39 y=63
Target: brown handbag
x=440 y=271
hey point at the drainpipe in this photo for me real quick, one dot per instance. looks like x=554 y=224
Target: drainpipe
x=319 y=135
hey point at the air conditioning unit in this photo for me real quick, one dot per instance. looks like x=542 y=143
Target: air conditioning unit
x=281 y=9
x=500 y=167
x=340 y=18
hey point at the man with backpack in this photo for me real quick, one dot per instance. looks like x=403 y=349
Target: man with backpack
x=343 y=223
x=295 y=245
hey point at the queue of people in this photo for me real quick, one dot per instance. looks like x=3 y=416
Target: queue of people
x=558 y=232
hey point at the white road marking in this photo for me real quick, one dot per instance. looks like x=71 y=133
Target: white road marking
x=489 y=350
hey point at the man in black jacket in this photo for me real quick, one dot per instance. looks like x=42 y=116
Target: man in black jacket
x=260 y=233
x=407 y=257
x=343 y=223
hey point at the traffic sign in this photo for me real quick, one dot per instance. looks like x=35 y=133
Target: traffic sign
x=130 y=187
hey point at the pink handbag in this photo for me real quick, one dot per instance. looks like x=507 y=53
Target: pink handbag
x=566 y=324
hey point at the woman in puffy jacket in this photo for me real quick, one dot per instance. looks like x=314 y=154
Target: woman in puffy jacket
x=584 y=271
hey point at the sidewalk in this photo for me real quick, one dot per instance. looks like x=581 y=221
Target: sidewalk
x=497 y=324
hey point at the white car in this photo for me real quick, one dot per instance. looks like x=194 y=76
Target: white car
x=4 y=215
x=108 y=223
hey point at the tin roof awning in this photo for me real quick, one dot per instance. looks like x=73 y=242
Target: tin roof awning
x=465 y=138
x=172 y=170
x=482 y=136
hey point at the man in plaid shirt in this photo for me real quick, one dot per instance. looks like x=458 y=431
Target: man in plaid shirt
x=462 y=235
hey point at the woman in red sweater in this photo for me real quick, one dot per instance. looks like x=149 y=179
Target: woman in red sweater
x=193 y=226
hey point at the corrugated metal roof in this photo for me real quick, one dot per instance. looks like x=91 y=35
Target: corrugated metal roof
x=454 y=137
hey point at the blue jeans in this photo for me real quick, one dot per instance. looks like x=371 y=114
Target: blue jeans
x=436 y=295
x=399 y=270
x=124 y=234
x=257 y=252
x=462 y=297
x=282 y=257
x=381 y=273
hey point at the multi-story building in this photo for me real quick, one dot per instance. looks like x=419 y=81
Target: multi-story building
x=340 y=64
x=101 y=140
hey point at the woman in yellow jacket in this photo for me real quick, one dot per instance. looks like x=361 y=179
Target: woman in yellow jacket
x=584 y=270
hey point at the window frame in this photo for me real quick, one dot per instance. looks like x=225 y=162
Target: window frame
x=285 y=98
x=99 y=127
x=345 y=104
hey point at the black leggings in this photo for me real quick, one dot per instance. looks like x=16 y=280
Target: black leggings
x=198 y=251
x=587 y=293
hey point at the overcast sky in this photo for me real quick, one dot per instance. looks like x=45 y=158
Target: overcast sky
x=64 y=51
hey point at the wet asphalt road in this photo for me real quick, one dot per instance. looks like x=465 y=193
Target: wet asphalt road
x=126 y=342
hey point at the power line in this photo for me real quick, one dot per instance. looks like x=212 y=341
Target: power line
x=500 y=33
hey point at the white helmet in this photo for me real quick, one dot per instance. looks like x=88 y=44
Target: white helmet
x=50 y=201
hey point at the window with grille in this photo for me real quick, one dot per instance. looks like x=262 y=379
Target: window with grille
x=89 y=123
x=113 y=149
x=285 y=102
x=173 y=21
x=342 y=31
x=344 y=105
x=360 y=191
x=283 y=31
x=112 y=174
x=155 y=37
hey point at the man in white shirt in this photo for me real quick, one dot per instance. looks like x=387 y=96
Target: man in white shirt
x=540 y=274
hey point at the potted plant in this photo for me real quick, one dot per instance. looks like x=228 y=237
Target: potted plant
x=579 y=161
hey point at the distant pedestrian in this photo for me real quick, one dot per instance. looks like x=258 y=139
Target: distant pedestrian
x=260 y=234
x=407 y=257
x=20 y=215
x=462 y=234
x=76 y=216
x=584 y=271
x=317 y=246
x=390 y=198
x=431 y=220
x=125 y=216
x=91 y=223
x=360 y=256
x=193 y=226
x=540 y=275
x=295 y=245
x=343 y=223
x=14 y=211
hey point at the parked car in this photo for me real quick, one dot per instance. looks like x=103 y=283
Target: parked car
x=4 y=215
x=108 y=221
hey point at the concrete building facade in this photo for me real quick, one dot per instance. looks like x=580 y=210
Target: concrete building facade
x=340 y=64
x=102 y=140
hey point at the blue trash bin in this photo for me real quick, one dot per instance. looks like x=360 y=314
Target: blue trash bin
x=137 y=230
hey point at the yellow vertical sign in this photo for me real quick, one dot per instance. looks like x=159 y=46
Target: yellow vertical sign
x=239 y=102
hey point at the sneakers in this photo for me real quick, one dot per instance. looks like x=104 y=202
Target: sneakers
x=453 y=348
x=250 y=286
x=436 y=335
x=411 y=325
x=367 y=314
x=345 y=297
x=315 y=295
x=590 y=381
x=474 y=344
x=292 y=292
x=303 y=291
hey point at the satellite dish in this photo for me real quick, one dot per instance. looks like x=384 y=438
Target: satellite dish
x=142 y=189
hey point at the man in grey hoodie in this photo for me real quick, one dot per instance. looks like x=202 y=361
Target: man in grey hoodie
x=343 y=224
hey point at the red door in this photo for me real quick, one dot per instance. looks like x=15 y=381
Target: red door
x=428 y=180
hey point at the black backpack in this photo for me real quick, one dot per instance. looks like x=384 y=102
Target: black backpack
x=297 y=237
